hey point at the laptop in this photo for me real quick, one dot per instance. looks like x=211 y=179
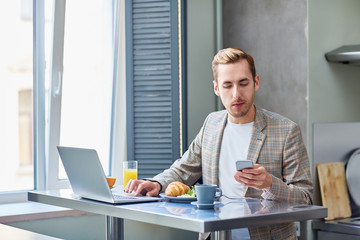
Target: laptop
x=88 y=180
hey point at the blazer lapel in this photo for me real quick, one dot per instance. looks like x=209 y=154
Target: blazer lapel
x=219 y=131
x=257 y=137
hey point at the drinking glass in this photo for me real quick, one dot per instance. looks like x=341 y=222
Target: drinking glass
x=130 y=170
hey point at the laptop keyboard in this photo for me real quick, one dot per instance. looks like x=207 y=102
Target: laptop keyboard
x=122 y=197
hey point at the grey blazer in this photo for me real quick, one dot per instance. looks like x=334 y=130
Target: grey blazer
x=276 y=143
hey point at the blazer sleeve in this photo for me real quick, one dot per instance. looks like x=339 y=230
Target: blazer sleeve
x=296 y=185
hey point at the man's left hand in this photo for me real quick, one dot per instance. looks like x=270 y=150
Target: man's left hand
x=256 y=177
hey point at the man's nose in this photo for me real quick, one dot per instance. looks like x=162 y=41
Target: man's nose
x=236 y=92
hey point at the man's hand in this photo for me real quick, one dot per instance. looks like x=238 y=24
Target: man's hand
x=143 y=187
x=256 y=177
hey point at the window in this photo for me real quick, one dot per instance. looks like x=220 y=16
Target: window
x=16 y=87
x=22 y=67
x=79 y=77
x=59 y=85
x=82 y=82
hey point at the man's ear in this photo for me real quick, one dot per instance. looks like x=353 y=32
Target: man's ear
x=257 y=82
x=216 y=88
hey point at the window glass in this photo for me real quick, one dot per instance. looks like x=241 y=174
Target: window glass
x=16 y=84
x=87 y=78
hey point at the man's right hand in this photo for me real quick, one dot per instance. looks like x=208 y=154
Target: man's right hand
x=143 y=187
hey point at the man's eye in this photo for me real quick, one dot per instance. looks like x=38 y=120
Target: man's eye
x=244 y=84
x=226 y=85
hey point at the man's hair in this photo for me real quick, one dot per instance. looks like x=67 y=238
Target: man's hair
x=232 y=55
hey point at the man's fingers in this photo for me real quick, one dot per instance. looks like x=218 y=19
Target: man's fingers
x=250 y=183
x=137 y=186
x=258 y=169
x=153 y=192
x=256 y=177
x=132 y=185
x=126 y=189
x=143 y=188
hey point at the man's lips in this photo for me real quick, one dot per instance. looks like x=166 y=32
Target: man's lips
x=237 y=104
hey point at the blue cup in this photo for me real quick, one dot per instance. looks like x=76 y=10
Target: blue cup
x=207 y=193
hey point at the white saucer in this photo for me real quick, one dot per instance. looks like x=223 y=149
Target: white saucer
x=203 y=206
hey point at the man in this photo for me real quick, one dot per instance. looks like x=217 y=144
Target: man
x=242 y=131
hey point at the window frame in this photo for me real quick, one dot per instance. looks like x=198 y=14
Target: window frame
x=39 y=94
x=55 y=90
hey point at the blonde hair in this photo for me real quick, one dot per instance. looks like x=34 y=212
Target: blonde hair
x=232 y=55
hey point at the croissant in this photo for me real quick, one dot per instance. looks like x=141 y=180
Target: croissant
x=175 y=189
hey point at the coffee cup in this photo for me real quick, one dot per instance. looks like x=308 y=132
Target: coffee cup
x=207 y=193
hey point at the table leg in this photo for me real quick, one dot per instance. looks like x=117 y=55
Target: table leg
x=221 y=235
x=303 y=230
x=114 y=228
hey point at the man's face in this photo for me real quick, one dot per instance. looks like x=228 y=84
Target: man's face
x=236 y=88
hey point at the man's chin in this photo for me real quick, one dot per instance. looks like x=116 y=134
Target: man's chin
x=237 y=112
x=237 y=115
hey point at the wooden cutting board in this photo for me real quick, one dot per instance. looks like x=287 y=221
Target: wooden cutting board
x=333 y=188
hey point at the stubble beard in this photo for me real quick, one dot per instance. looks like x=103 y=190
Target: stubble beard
x=242 y=113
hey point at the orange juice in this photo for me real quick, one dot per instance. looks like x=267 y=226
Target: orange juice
x=129 y=174
x=111 y=181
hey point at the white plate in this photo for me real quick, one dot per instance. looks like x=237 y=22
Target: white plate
x=353 y=176
x=179 y=199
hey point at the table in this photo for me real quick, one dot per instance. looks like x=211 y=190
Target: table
x=228 y=213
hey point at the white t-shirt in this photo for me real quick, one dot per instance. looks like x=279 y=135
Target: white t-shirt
x=234 y=146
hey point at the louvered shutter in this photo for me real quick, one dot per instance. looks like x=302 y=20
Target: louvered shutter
x=152 y=84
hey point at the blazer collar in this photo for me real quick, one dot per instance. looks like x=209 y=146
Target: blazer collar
x=257 y=137
x=260 y=120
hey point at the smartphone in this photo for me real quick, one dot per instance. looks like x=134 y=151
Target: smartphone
x=242 y=164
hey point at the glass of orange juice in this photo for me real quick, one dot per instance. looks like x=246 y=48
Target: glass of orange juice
x=130 y=170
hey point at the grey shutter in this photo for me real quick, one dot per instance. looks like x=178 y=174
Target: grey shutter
x=152 y=84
